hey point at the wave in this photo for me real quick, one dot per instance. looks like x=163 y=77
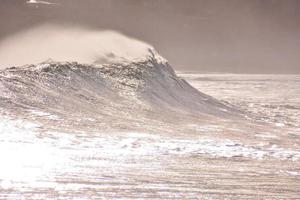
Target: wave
x=147 y=88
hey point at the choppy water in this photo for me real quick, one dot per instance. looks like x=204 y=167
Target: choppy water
x=47 y=155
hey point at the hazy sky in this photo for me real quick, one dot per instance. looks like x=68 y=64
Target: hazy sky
x=256 y=36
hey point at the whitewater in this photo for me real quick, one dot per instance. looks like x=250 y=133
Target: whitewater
x=113 y=120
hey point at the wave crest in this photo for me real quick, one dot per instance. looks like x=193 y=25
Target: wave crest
x=132 y=88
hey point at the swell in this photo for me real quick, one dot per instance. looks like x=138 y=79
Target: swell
x=124 y=91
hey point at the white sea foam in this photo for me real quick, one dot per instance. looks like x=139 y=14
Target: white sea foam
x=139 y=144
x=44 y=114
x=38 y=2
x=278 y=124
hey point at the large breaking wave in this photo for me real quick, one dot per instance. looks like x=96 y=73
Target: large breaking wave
x=117 y=93
x=78 y=74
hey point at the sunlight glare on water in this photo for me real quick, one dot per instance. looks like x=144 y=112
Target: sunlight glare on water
x=25 y=158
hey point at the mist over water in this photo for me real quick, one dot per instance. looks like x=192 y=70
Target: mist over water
x=69 y=44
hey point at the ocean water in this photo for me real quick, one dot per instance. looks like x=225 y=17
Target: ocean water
x=247 y=148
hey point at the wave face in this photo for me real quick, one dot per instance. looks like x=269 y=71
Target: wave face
x=125 y=91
